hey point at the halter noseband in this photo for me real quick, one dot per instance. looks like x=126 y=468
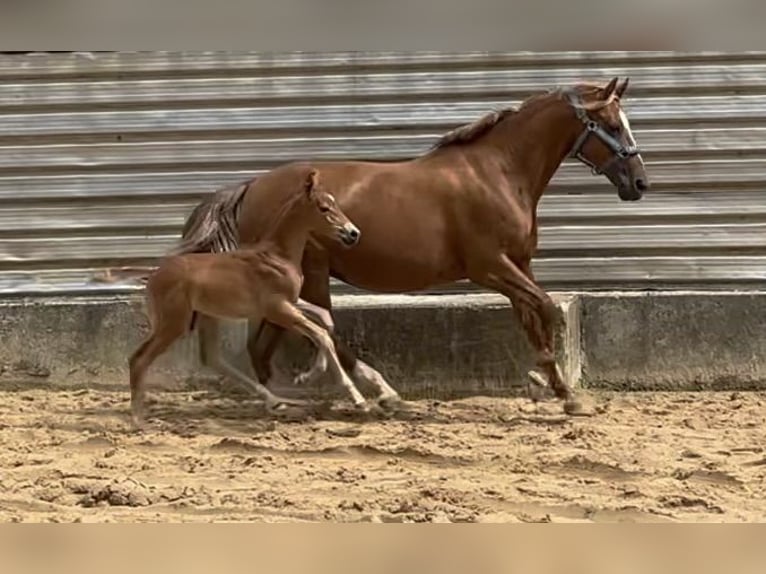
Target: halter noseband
x=620 y=151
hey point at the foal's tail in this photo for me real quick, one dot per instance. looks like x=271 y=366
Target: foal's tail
x=115 y=274
x=212 y=224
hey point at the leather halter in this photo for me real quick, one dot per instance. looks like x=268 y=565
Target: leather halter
x=592 y=127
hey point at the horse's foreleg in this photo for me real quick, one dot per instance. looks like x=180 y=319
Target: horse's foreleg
x=537 y=314
x=262 y=340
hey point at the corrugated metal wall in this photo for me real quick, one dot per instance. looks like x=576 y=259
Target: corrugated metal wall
x=103 y=155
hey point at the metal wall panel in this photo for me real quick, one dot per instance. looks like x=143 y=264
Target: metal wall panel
x=103 y=155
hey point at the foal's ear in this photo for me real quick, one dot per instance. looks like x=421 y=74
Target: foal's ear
x=312 y=179
x=620 y=90
x=610 y=89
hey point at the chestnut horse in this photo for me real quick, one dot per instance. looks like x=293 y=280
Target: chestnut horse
x=467 y=209
x=260 y=280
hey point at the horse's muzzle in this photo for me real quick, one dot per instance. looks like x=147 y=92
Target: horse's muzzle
x=350 y=234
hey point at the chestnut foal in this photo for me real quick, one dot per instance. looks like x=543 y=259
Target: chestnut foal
x=262 y=280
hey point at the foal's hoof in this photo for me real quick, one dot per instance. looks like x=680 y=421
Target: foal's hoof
x=574 y=408
x=537 y=387
x=137 y=417
x=307 y=377
x=364 y=407
x=370 y=411
x=143 y=425
x=278 y=404
x=301 y=379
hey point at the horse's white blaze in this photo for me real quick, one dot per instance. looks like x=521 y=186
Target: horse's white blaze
x=626 y=126
x=628 y=132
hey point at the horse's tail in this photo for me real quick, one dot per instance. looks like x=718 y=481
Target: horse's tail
x=212 y=224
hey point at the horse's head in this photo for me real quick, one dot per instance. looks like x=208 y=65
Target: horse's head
x=606 y=143
x=330 y=221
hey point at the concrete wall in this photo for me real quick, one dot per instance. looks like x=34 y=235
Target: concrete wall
x=440 y=346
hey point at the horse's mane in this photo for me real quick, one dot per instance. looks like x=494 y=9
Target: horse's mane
x=469 y=132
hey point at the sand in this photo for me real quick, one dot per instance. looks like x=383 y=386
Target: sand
x=73 y=456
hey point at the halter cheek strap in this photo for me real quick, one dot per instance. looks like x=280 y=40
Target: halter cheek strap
x=592 y=127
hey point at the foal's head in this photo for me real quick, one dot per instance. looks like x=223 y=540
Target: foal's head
x=328 y=220
x=606 y=143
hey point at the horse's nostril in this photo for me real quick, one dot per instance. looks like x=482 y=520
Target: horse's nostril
x=354 y=234
x=641 y=184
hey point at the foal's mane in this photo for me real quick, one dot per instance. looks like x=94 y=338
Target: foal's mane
x=284 y=209
x=469 y=132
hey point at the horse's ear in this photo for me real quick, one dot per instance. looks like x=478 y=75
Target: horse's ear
x=311 y=181
x=620 y=90
x=610 y=88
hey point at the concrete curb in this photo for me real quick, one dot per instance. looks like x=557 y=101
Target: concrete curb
x=440 y=346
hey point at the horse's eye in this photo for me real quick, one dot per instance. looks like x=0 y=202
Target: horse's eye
x=324 y=209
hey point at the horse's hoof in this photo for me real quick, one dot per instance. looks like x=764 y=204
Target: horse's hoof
x=574 y=408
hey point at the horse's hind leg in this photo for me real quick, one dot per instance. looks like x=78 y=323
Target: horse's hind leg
x=537 y=313
x=211 y=356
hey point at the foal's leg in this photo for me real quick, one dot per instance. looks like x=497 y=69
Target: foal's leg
x=211 y=356
x=322 y=318
x=316 y=290
x=289 y=317
x=265 y=337
x=166 y=328
x=536 y=311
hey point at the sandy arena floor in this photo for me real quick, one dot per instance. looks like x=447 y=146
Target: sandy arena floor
x=72 y=456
